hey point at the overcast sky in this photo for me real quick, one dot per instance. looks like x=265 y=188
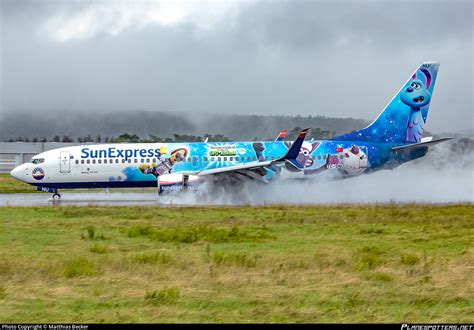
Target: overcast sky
x=333 y=58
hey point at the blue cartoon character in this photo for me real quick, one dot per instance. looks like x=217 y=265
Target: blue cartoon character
x=416 y=96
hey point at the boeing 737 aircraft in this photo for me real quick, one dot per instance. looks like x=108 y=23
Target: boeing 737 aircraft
x=394 y=137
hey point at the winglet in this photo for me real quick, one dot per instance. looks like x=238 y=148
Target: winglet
x=281 y=136
x=294 y=150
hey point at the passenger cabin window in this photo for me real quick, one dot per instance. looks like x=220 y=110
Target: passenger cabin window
x=77 y=161
x=105 y=161
x=82 y=161
x=116 y=161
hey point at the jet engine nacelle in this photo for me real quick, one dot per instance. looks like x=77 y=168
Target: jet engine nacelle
x=176 y=182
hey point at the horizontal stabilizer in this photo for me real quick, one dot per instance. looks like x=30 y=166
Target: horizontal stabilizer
x=414 y=146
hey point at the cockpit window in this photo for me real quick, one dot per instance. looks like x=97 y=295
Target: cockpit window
x=37 y=160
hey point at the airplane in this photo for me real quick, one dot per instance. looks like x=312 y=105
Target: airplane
x=393 y=138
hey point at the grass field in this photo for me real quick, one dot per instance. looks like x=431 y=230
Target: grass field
x=10 y=185
x=388 y=263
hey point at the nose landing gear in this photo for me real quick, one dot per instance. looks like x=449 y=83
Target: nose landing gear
x=56 y=196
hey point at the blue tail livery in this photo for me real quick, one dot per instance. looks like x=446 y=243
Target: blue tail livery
x=403 y=119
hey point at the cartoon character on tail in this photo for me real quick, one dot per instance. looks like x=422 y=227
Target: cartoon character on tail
x=416 y=95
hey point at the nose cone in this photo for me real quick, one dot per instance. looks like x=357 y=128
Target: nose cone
x=17 y=173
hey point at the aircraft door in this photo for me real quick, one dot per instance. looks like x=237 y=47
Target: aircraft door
x=65 y=162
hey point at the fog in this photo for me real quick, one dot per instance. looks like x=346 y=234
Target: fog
x=331 y=58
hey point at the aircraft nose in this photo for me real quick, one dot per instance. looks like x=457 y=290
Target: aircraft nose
x=17 y=173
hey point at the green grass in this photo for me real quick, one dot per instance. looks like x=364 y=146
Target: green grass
x=8 y=185
x=379 y=263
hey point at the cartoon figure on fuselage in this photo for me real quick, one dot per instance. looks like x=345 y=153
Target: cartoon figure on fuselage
x=415 y=96
x=166 y=164
x=354 y=161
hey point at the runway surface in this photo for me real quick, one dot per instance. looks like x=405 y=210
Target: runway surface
x=378 y=188
x=83 y=199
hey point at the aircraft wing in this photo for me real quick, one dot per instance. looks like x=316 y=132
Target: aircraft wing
x=239 y=167
x=257 y=169
x=422 y=144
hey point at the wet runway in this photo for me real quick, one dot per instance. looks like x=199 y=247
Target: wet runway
x=84 y=199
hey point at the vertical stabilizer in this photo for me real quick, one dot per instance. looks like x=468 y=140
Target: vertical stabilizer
x=403 y=119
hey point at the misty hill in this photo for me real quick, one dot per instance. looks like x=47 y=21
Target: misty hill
x=163 y=124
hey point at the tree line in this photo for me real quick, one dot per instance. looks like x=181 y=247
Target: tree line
x=316 y=133
x=107 y=125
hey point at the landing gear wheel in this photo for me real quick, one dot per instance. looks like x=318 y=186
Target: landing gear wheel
x=56 y=196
